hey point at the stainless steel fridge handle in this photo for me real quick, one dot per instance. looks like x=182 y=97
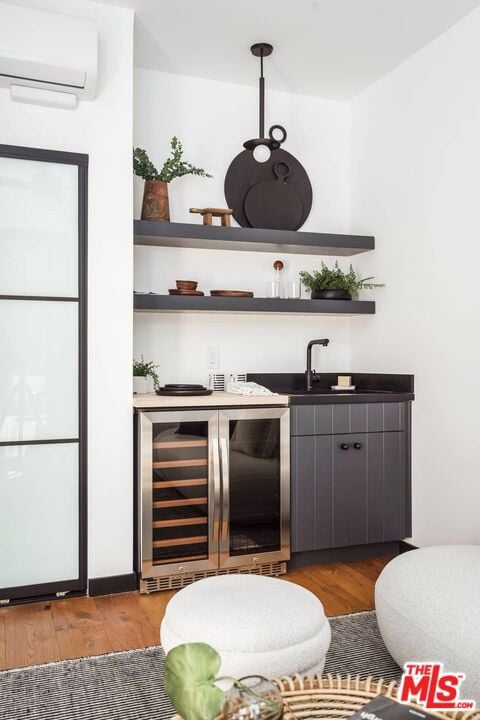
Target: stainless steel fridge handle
x=216 y=489
x=225 y=487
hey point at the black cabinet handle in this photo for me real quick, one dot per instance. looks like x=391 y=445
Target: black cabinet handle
x=357 y=446
x=344 y=446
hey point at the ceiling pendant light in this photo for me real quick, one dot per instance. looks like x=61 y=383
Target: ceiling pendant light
x=263 y=146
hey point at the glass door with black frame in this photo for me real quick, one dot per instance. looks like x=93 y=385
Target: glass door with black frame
x=43 y=208
x=255 y=486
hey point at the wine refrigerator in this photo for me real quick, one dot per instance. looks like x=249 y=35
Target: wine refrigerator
x=213 y=494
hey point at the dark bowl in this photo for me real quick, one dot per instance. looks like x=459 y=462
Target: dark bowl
x=331 y=294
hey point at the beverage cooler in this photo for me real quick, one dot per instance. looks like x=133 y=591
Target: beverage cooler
x=213 y=494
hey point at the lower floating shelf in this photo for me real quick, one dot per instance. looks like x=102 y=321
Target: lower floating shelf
x=192 y=303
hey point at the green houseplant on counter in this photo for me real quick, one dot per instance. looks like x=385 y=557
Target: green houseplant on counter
x=334 y=284
x=191 y=684
x=141 y=371
x=155 y=196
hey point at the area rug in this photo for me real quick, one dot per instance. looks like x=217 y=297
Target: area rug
x=129 y=685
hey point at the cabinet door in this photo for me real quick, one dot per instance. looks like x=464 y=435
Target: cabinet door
x=312 y=492
x=254 y=452
x=348 y=490
x=328 y=492
x=179 y=470
x=386 y=486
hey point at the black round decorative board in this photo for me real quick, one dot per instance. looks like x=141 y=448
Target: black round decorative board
x=276 y=194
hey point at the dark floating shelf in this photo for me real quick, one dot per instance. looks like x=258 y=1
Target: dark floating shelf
x=189 y=303
x=215 y=237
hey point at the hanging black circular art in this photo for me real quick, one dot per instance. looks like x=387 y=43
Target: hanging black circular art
x=265 y=186
x=276 y=194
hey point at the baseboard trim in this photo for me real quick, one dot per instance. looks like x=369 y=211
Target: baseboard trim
x=112 y=585
x=404 y=546
x=345 y=554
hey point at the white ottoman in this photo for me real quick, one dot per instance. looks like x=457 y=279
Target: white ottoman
x=428 y=608
x=258 y=625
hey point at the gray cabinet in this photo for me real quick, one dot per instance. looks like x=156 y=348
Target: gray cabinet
x=350 y=488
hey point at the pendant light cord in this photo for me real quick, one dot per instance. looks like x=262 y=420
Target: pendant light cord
x=261 y=124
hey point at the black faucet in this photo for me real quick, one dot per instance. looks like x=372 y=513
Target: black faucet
x=308 y=378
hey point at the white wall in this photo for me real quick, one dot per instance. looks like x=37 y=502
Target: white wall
x=213 y=119
x=415 y=185
x=103 y=129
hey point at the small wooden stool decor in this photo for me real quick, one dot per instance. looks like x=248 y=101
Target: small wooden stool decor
x=209 y=213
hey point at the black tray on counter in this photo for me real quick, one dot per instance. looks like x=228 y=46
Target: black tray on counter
x=183 y=390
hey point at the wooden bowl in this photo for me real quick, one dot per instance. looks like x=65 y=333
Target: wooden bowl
x=186 y=284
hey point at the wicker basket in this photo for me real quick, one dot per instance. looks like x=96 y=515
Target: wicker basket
x=336 y=697
x=339 y=697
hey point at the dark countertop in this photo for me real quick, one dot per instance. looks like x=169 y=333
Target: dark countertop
x=370 y=387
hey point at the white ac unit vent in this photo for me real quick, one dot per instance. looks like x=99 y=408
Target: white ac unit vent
x=48 y=51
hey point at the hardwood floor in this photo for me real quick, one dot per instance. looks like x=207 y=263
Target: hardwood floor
x=77 y=627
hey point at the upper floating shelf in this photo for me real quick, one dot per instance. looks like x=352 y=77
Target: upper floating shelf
x=215 y=237
x=191 y=303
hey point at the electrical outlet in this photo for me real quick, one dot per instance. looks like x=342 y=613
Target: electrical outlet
x=213 y=358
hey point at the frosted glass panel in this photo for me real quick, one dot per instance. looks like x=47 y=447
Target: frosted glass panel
x=38 y=370
x=38 y=228
x=38 y=514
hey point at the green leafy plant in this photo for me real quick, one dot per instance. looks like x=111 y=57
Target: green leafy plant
x=336 y=279
x=190 y=676
x=145 y=369
x=190 y=682
x=173 y=167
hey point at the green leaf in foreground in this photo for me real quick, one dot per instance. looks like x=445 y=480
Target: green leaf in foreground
x=190 y=672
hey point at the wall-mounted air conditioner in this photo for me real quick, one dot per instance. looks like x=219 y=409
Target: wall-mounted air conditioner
x=44 y=52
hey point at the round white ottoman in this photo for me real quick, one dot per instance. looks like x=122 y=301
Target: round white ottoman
x=428 y=608
x=258 y=625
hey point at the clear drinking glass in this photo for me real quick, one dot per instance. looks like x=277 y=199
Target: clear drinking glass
x=254 y=698
x=273 y=289
x=294 y=290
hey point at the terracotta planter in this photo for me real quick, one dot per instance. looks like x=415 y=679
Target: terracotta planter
x=155 y=201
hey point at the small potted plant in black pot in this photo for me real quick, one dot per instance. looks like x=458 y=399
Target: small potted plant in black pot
x=334 y=284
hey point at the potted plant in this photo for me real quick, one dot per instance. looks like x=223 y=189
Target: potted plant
x=141 y=371
x=155 y=196
x=334 y=284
